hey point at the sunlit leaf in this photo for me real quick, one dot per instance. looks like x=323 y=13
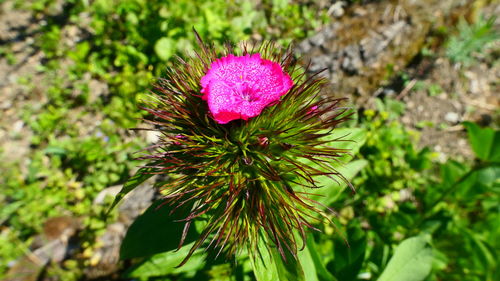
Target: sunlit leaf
x=351 y=139
x=331 y=188
x=263 y=267
x=323 y=273
x=308 y=264
x=289 y=269
x=412 y=261
x=269 y=265
x=165 y=48
x=484 y=141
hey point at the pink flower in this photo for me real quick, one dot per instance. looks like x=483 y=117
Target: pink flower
x=181 y=137
x=240 y=87
x=312 y=109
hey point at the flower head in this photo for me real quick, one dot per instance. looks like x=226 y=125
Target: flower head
x=240 y=87
x=245 y=181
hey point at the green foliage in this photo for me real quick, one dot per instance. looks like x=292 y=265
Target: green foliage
x=399 y=196
x=484 y=141
x=80 y=145
x=471 y=38
x=412 y=261
x=456 y=207
x=269 y=265
x=349 y=258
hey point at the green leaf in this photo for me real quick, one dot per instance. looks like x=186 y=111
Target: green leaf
x=289 y=269
x=412 y=261
x=308 y=264
x=165 y=48
x=55 y=150
x=140 y=176
x=351 y=139
x=155 y=231
x=9 y=209
x=263 y=267
x=331 y=189
x=349 y=257
x=165 y=263
x=323 y=273
x=485 y=142
x=452 y=171
x=269 y=265
x=489 y=176
x=395 y=108
x=487 y=256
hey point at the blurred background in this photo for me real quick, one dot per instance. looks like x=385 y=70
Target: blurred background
x=72 y=73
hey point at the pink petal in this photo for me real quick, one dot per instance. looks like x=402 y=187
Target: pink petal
x=240 y=87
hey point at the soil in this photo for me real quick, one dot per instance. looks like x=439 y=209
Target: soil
x=466 y=94
x=438 y=94
x=16 y=29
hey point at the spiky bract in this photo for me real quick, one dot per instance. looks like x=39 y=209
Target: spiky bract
x=246 y=179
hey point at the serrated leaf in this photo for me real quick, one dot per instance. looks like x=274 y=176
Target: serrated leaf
x=412 y=261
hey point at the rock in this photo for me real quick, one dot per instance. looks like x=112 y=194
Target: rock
x=55 y=244
x=152 y=136
x=111 y=191
x=60 y=228
x=337 y=9
x=136 y=202
x=26 y=269
x=18 y=126
x=374 y=40
x=452 y=118
x=105 y=259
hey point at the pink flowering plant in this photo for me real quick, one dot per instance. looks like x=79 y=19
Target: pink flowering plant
x=249 y=149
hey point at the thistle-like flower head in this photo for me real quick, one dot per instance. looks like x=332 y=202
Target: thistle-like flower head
x=242 y=140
